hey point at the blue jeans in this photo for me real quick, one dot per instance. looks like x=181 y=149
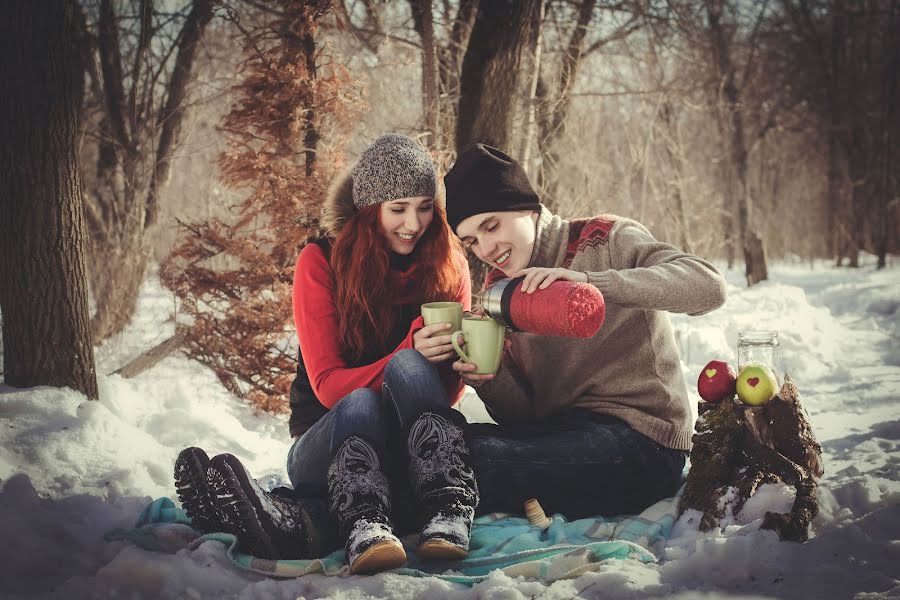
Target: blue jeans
x=411 y=387
x=577 y=463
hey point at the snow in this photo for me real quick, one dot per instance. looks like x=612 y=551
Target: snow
x=73 y=469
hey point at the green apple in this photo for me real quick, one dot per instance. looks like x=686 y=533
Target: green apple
x=756 y=385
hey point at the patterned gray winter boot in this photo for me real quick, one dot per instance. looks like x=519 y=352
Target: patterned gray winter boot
x=360 y=500
x=443 y=481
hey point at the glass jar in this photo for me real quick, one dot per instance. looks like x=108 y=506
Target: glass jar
x=760 y=347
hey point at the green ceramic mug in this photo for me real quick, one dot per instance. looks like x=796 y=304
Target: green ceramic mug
x=443 y=312
x=484 y=343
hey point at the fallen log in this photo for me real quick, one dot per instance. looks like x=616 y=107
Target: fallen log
x=151 y=357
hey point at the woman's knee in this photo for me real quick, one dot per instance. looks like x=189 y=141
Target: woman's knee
x=413 y=386
x=364 y=403
x=362 y=412
x=404 y=362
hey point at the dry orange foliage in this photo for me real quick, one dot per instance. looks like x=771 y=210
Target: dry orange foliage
x=286 y=130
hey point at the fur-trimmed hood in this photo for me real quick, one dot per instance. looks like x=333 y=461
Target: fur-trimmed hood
x=338 y=207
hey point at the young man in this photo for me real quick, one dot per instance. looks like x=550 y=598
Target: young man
x=594 y=426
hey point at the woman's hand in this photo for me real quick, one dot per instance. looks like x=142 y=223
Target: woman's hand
x=538 y=278
x=434 y=347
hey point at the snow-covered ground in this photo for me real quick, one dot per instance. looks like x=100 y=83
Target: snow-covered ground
x=72 y=469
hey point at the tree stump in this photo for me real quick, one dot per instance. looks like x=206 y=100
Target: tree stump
x=745 y=446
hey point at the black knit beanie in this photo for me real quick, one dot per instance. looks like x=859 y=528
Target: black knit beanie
x=485 y=179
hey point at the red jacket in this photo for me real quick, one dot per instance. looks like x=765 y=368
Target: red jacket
x=315 y=316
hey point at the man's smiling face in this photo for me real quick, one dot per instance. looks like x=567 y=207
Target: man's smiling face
x=504 y=240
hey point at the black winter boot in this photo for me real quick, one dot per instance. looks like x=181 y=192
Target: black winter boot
x=361 y=502
x=270 y=525
x=193 y=482
x=443 y=481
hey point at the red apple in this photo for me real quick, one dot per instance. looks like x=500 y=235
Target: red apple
x=716 y=381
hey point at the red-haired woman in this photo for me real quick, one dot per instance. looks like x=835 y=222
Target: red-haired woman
x=371 y=419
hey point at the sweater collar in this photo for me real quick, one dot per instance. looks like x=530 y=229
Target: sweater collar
x=401 y=262
x=550 y=240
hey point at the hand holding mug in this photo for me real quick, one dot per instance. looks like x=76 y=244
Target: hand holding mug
x=465 y=371
x=433 y=340
x=484 y=340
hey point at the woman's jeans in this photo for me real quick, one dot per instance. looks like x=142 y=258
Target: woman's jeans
x=411 y=387
x=577 y=462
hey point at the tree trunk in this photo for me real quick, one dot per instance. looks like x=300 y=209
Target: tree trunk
x=46 y=337
x=450 y=60
x=839 y=185
x=531 y=97
x=305 y=45
x=732 y=123
x=726 y=176
x=172 y=115
x=676 y=177
x=423 y=20
x=755 y=256
x=890 y=133
x=312 y=136
x=491 y=72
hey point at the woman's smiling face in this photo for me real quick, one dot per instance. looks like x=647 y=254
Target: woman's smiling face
x=403 y=221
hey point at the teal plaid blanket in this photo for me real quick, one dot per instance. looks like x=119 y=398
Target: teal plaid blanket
x=499 y=541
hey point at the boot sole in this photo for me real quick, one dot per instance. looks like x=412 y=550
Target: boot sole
x=382 y=556
x=194 y=491
x=232 y=501
x=441 y=550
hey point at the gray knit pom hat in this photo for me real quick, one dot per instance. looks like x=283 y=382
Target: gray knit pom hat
x=394 y=166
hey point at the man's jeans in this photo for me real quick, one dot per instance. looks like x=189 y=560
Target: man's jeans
x=577 y=463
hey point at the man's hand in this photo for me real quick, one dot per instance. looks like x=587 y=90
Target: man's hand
x=538 y=278
x=435 y=348
x=475 y=379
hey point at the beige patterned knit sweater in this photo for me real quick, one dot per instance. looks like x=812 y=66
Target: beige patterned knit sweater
x=630 y=369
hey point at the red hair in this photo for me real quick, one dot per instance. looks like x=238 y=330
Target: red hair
x=361 y=260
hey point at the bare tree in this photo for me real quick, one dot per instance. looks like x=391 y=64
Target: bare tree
x=443 y=32
x=46 y=338
x=555 y=92
x=731 y=124
x=850 y=93
x=451 y=59
x=140 y=66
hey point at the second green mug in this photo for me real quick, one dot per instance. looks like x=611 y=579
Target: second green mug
x=484 y=343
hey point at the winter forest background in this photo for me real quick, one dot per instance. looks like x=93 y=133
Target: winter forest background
x=201 y=136
x=191 y=143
